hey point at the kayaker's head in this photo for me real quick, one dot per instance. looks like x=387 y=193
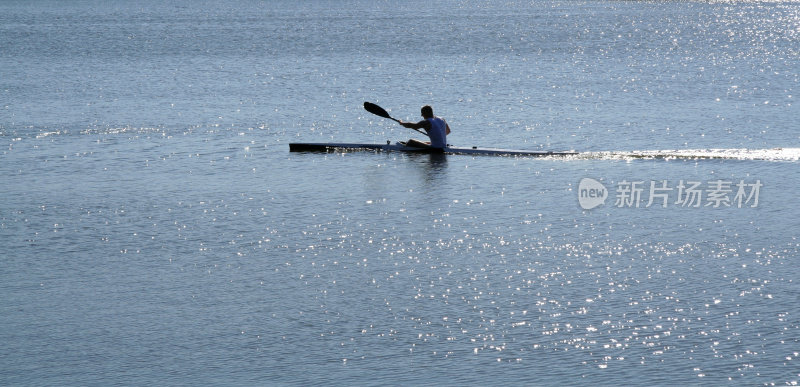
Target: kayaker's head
x=427 y=112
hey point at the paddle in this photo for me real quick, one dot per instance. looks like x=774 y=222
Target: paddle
x=379 y=111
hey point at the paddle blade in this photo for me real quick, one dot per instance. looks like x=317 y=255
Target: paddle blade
x=376 y=110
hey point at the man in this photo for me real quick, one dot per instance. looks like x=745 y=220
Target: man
x=436 y=128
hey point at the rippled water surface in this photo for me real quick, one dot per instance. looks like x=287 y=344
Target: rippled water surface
x=155 y=228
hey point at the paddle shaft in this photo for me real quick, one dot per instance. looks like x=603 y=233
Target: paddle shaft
x=379 y=111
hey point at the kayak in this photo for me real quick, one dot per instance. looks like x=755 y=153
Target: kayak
x=404 y=147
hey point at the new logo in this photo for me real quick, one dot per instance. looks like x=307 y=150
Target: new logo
x=591 y=193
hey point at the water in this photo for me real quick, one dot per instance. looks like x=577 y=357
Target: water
x=154 y=227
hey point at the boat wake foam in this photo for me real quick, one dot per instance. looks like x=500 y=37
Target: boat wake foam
x=774 y=154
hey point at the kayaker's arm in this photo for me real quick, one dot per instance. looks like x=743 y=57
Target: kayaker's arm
x=424 y=124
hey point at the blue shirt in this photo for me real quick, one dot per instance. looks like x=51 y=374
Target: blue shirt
x=437 y=132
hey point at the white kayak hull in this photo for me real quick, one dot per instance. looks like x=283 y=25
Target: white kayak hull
x=402 y=147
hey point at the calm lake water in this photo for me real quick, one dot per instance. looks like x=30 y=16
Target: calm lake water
x=155 y=228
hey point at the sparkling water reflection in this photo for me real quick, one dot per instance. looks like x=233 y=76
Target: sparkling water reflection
x=154 y=227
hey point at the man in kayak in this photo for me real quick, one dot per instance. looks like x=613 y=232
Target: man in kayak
x=436 y=128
